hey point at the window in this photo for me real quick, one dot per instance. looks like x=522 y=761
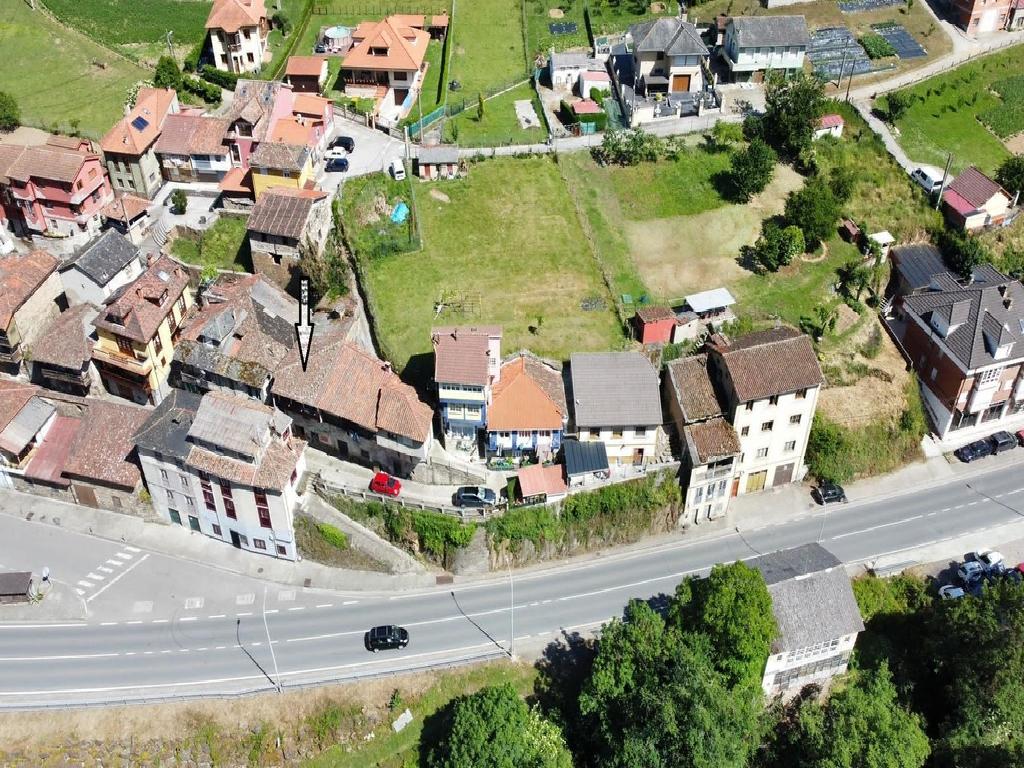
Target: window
x=163 y=474
x=281 y=550
x=183 y=480
x=985 y=377
x=749 y=406
x=193 y=523
x=175 y=517
x=762 y=453
x=123 y=344
x=216 y=530
x=170 y=496
x=157 y=344
x=721 y=487
x=791 y=445
x=262 y=508
x=801 y=394
x=767 y=426
x=229 y=503
x=744 y=431
x=640 y=431
x=211 y=505
x=295 y=476
x=190 y=502
x=259 y=543
x=698 y=495
x=773 y=400
x=616 y=433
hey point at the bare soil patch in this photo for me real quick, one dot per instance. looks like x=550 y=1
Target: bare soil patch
x=1015 y=144
x=683 y=254
x=556 y=13
x=440 y=196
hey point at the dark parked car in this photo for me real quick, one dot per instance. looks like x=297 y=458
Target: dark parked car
x=979 y=449
x=1002 y=441
x=474 y=496
x=386 y=638
x=345 y=142
x=829 y=493
x=337 y=165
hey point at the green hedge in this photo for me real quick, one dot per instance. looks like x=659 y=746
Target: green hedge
x=226 y=80
x=206 y=91
x=333 y=536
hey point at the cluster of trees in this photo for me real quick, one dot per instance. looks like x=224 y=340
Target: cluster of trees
x=627 y=147
x=168 y=75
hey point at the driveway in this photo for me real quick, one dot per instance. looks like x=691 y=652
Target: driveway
x=374 y=151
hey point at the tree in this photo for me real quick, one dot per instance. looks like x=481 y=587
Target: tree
x=654 y=698
x=962 y=252
x=814 y=209
x=479 y=106
x=10 y=114
x=854 y=279
x=167 y=74
x=1010 y=174
x=793 y=106
x=733 y=609
x=828 y=451
x=179 y=201
x=493 y=728
x=896 y=105
x=776 y=246
x=842 y=182
x=863 y=725
x=752 y=169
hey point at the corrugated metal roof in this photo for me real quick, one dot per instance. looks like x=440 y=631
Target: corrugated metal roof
x=22 y=429
x=584 y=458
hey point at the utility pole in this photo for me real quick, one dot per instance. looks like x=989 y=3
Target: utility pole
x=270 y=644
x=945 y=175
x=842 y=71
x=170 y=48
x=849 y=83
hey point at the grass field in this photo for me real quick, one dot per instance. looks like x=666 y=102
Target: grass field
x=605 y=17
x=139 y=21
x=499 y=124
x=507 y=241
x=222 y=246
x=945 y=114
x=59 y=76
x=488 y=39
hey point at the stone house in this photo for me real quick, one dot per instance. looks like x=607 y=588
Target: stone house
x=31 y=295
x=102 y=267
x=282 y=223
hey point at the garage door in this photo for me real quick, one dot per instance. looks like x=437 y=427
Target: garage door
x=755 y=482
x=680 y=83
x=783 y=474
x=85 y=495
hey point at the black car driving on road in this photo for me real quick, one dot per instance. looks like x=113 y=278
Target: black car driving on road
x=829 y=493
x=386 y=637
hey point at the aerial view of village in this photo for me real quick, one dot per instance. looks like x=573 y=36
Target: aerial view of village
x=511 y=383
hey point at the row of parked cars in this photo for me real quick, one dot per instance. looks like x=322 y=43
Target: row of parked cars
x=1000 y=442
x=468 y=496
x=981 y=567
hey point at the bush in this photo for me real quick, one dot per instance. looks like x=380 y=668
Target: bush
x=333 y=536
x=752 y=169
x=226 y=80
x=179 y=201
x=776 y=246
x=876 y=46
x=194 y=56
x=10 y=114
x=814 y=209
x=206 y=91
x=282 y=22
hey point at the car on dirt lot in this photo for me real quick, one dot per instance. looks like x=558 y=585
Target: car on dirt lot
x=386 y=637
x=385 y=484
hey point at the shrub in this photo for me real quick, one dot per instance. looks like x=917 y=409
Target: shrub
x=179 y=201
x=192 y=59
x=226 y=80
x=282 y=22
x=752 y=169
x=333 y=536
x=10 y=114
x=206 y=91
x=876 y=46
x=897 y=103
x=167 y=74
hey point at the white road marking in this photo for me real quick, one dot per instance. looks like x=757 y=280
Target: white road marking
x=244 y=614
x=114 y=580
x=118 y=563
x=972 y=503
x=133 y=549
x=79 y=591
x=159 y=621
x=271 y=610
x=105 y=569
x=350 y=602
x=108 y=623
x=192 y=603
x=323 y=605
x=64 y=657
x=248 y=599
x=136 y=621
x=124 y=555
x=217 y=616
x=298 y=608
x=86 y=584
x=286 y=595
x=876 y=527
x=95 y=576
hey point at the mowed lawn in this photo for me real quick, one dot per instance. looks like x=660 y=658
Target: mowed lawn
x=488 y=38
x=944 y=115
x=59 y=76
x=499 y=124
x=508 y=241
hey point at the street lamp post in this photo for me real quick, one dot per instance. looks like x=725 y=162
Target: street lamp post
x=270 y=644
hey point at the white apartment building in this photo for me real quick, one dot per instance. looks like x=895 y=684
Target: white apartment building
x=615 y=401
x=755 y=45
x=768 y=383
x=225 y=466
x=238 y=31
x=817 y=616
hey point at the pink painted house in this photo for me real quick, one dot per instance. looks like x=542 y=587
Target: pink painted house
x=58 y=188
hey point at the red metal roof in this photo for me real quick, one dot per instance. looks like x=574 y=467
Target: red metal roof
x=539 y=480
x=955 y=201
x=51 y=455
x=830 y=121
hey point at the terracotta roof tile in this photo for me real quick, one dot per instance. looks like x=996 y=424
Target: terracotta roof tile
x=305 y=66
x=460 y=354
x=20 y=277
x=232 y=15
x=279 y=156
x=126 y=205
x=48 y=163
x=135 y=310
x=406 y=47
x=520 y=401
x=134 y=133
x=193 y=135
x=14 y=395
x=537 y=480
x=310 y=104
x=712 y=440
x=103 y=448
x=769 y=363
x=693 y=389
x=283 y=212
x=654 y=314
x=66 y=342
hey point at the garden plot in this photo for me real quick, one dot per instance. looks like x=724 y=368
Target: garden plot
x=834 y=51
x=860 y=6
x=902 y=42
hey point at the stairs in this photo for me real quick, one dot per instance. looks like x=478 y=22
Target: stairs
x=159 y=233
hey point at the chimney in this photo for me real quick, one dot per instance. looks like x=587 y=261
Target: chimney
x=1007 y=302
x=455 y=334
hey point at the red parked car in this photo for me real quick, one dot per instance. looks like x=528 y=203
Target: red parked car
x=385 y=484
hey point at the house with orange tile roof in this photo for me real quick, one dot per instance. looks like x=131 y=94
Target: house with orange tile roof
x=350 y=404
x=31 y=296
x=238 y=32
x=57 y=188
x=386 y=63
x=528 y=413
x=306 y=74
x=194 y=148
x=128 y=146
x=138 y=328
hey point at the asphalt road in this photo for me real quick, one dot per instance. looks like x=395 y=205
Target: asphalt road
x=168 y=653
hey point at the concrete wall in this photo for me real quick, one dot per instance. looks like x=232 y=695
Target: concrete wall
x=623 y=442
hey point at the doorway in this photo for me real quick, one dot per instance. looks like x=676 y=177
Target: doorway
x=680 y=83
x=236 y=540
x=755 y=482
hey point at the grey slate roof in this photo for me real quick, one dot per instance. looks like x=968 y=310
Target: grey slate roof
x=569 y=60
x=235 y=423
x=584 y=458
x=811 y=596
x=755 y=31
x=987 y=313
x=669 y=35
x=612 y=389
x=105 y=256
x=918 y=263
x=166 y=429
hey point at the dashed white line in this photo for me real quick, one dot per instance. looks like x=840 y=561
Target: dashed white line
x=136 y=621
x=217 y=616
x=322 y=605
x=244 y=614
x=271 y=610
x=105 y=569
x=188 y=618
x=108 y=623
x=350 y=602
x=160 y=621
x=298 y=608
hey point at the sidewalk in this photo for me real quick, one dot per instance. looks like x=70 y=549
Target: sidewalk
x=179 y=542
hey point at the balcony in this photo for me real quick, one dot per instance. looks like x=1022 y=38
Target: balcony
x=136 y=364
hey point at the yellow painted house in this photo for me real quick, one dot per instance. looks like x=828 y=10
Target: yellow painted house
x=275 y=164
x=137 y=330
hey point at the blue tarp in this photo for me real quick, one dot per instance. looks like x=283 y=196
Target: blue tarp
x=400 y=214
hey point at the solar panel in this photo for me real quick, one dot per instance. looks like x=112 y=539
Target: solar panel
x=140 y=123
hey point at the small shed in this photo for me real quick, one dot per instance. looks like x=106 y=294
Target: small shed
x=15 y=587
x=885 y=242
x=594 y=80
x=708 y=308
x=829 y=125
x=306 y=74
x=129 y=215
x=585 y=462
x=850 y=232
x=655 y=325
x=439 y=163
x=539 y=484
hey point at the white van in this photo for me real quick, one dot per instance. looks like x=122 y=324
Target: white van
x=397 y=169
x=928 y=177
